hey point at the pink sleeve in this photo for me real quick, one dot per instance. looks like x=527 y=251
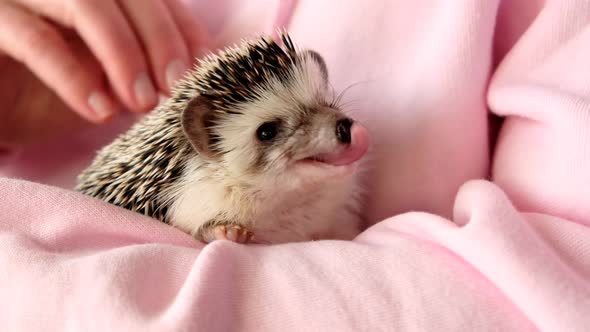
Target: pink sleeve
x=542 y=88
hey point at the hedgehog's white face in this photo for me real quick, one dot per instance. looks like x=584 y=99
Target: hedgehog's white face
x=290 y=130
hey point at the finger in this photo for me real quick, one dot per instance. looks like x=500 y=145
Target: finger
x=105 y=29
x=195 y=34
x=163 y=42
x=103 y=26
x=56 y=10
x=40 y=47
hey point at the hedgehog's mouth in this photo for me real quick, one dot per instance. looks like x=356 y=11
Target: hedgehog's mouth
x=340 y=158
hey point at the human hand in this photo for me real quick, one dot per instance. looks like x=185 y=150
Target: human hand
x=97 y=55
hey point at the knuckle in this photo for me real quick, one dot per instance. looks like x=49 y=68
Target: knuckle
x=38 y=40
x=77 y=5
x=77 y=10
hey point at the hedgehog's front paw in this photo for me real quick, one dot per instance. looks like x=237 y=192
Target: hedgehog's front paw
x=233 y=233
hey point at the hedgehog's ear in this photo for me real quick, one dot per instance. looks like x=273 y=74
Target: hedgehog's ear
x=319 y=61
x=196 y=120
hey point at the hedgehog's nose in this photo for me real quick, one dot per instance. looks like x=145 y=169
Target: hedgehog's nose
x=343 y=130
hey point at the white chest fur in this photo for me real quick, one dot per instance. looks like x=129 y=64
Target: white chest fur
x=276 y=213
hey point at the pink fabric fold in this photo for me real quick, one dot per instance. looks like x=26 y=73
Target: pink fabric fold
x=447 y=251
x=98 y=267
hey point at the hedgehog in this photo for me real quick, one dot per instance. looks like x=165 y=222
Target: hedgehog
x=250 y=147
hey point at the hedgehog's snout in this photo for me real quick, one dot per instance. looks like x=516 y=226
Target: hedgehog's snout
x=343 y=130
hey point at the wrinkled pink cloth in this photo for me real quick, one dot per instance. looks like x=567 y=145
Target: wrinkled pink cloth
x=509 y=254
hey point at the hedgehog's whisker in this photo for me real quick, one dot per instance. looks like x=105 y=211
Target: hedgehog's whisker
x=336 y=101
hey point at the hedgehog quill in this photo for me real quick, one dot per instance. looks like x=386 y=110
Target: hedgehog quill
x=250 y=147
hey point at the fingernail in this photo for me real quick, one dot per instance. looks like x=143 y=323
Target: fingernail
x=174 y=72
x=101 y=105
x=145 y=93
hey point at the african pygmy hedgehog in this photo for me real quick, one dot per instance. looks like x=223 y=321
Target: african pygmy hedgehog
x=250 y=143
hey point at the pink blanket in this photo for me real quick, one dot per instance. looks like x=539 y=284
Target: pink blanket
x=509 y=254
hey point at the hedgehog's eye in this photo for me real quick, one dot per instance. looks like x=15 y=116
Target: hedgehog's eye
x=267 y=131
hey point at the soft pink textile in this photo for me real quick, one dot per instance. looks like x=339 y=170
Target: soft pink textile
x=508 y=255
